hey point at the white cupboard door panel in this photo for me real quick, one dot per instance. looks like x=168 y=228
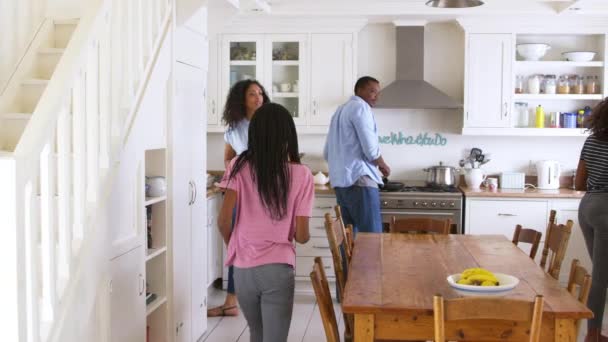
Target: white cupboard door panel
x=213 y=107
x=501 y=216
x=128 y=297
x=331 y=76
x=568 y=210
x=488 y=80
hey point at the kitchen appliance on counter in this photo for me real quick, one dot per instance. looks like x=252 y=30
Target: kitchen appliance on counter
x=416 y=199
x=441 y=175
x=548 y=172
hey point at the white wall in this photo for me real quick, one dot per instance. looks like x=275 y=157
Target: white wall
x=444 y=60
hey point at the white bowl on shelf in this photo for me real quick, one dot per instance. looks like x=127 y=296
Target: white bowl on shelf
x=579 y=56
x=532 y=52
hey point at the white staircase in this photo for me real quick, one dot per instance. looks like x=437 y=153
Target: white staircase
x=64 y=116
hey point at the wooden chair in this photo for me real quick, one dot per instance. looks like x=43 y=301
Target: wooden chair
x=581 y=279
x=556 y=241
x=350 y=238
x=336 y=237
x=526 y=235
x=489 y=308
x=347 y=246
x=420 y=225
x=326 y=307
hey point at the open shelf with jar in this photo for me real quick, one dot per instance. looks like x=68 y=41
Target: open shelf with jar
x=157 y=271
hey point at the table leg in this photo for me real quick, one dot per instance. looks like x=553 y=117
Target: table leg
x=364 y=328
x=565 y=330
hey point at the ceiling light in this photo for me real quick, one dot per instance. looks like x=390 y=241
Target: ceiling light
x=454 y=3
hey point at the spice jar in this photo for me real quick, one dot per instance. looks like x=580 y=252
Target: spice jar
x=576 y=84
x=534 y=84
x=519 y=84
x=592 y=85
x=563 y=86
x=550 y=84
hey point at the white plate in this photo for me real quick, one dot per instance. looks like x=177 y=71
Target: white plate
x=507 y=282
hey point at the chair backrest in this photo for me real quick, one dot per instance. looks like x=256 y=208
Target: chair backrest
x=350 y=238
x=340 y=219
x=326 y=307
x=526 y=235
x=556 y=242
x=337 y=240
x=580 y=280
x=490 y=308
x=420 y=225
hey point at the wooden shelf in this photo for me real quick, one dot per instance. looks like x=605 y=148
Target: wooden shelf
x=286 y=63
x=517 y=131
x=154 y=200
x=285 y=95
x=243 y=62
x=558 y=96
x=555 y=64
x=152 y=253
x=150 y=308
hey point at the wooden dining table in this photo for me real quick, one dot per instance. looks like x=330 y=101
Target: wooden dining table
x=392 y=279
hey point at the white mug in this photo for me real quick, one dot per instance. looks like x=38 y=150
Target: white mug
x=492 y=183
x=285 y=87
x=474 y=178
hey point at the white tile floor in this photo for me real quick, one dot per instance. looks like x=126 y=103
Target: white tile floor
x=306 y=325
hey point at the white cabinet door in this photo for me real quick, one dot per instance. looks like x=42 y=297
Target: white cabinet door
x=488 y=80
x=501 y=216
x=331 y=75
x=213 y=107
x=214 y=242
x=242 y=58
x=568 y=210
x=128 y=297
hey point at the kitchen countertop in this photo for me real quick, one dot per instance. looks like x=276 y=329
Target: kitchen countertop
x=525 y=193
x=319 y=190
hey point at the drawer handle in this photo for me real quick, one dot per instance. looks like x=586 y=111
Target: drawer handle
x=323 y=207
x=501 y=214
x=320 y=228
x=320 y=247
x=327 y=267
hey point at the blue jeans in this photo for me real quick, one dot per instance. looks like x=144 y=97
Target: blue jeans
x=360 y=207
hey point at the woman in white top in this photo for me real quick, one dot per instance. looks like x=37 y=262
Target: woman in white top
x=244 y=98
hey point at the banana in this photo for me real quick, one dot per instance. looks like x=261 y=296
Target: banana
x=482 y=277
x=464 y=281
x=477 y=276
x=489 y=283
x=478 y=270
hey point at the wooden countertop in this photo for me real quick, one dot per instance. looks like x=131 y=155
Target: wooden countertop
x=522 y=193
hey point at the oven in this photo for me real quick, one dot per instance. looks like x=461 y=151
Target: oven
x=406 y=205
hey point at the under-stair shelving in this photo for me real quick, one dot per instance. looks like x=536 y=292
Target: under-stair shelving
x=156 y=252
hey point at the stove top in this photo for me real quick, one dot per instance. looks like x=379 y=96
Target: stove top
x=450 y=189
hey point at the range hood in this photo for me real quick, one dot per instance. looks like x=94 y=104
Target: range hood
x=410 y=90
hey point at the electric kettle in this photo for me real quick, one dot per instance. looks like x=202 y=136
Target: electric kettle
x=548 y=172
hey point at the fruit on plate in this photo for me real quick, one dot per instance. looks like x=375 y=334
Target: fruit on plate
x=478 y=276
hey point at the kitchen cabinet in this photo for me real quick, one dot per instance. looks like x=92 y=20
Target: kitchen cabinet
x=188 y=165
x=500 y=216
x=309 y=74
x=128 y=297
x=492 y=66
x=488 y=80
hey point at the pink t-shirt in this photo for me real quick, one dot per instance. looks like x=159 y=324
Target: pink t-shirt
x=256 y=238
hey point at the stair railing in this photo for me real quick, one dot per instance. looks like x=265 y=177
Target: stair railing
x=55 y=182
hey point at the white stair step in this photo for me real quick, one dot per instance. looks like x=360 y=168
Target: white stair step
x=35 y=82
x=69 y=21
x=63 y=31
x=51 y=51
x=15 y=116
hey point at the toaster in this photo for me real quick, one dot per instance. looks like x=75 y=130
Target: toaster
x=512 y=180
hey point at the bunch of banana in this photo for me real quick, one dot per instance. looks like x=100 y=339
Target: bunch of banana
x=478 y=276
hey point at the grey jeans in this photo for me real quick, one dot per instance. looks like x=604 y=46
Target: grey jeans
x=593 y=218
x=265 y=294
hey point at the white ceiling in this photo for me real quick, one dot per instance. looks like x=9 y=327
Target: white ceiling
x=388 y=10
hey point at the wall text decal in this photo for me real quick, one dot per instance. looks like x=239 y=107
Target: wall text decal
x=423 y=139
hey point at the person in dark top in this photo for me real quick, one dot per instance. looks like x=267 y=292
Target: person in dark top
x=592 y=176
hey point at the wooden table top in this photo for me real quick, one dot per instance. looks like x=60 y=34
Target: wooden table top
x=400 y=273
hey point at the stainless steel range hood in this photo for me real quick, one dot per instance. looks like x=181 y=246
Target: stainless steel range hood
x=410 y=90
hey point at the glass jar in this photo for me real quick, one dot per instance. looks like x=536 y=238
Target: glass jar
x=591 y=85
x=576 y=84
x=534 y=84
x=519 y=84
x=563 y=85
x=550 y=84
x=521 y=110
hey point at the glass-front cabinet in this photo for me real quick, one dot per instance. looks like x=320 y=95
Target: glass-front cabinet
x=284 y=72
x=276 y=61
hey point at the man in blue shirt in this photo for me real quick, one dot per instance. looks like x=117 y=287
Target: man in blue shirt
x=353 y=154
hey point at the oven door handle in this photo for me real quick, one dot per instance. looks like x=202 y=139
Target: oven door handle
x=419 y=213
